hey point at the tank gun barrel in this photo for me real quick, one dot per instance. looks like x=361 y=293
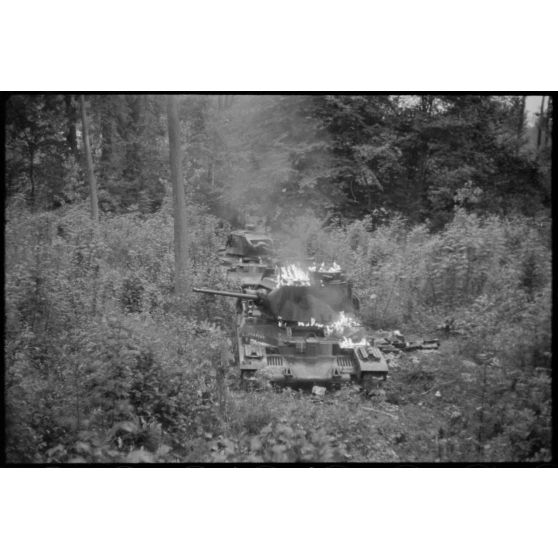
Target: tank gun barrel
x=245 y=296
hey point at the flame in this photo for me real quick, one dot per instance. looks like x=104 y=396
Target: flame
x=311 y=323
x=292 y=275
x=350 y=344
x=323 y=269
x=338 y=326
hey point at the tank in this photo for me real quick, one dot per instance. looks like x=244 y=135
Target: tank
x=303 y=334
x=244 y=246
x=247 y=256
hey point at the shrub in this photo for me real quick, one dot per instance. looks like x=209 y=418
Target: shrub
x=105 y=363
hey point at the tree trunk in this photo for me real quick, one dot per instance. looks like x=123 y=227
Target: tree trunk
x=107 y=122
x=540 y=125
x=89 y=163
x=520 y=122
x=71 y=136
x=32 y=176
x=423 y=172
x=180 y=233
x=547 y=130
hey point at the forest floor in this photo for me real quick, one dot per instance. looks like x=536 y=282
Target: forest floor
x=427 y=397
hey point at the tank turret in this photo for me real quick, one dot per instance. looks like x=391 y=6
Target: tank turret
x=293 y=303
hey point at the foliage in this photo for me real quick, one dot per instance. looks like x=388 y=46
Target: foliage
x=41 y=150
x=105 y=296
x=280 y=442
x=339 y=155
x=345 y=156
x=478 y=409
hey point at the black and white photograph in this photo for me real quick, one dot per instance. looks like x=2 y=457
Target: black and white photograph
x=279 y=278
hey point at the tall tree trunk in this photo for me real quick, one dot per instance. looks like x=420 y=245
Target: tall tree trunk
x=71 y=136
x=180 y=233
x=107 y=122
x=89 y=164
x=547 y=130
x=32 y=176
x=520 y=122
x=423 y=172
x=540 y=124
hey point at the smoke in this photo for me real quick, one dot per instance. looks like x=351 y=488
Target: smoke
x=273 y=158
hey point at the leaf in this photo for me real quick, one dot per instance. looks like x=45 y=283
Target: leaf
x=285 y=430
x=255 y=444
x=56 y=449
x=124 y=426
x=279 y=449
x=82 y=447
x=163 y=450
x=140 y=456
x=266 y=430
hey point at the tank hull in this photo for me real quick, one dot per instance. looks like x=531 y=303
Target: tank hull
x=293 y=357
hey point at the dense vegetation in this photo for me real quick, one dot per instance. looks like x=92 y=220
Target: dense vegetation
x=437 y=207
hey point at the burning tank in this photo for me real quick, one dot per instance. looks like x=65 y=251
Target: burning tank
x=303 y=331
x=247 y=255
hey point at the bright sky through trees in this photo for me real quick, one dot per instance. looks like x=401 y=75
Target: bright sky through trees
x=532 y=105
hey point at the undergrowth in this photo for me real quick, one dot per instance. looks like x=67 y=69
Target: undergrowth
x=105 y=364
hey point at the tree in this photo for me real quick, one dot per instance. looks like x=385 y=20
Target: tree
x=340 y=156
x=131 y=134
x=179 y=202
x=37 y=152
x=520 y=121
x=540 y=124
x=89 y=164
x=71 y=135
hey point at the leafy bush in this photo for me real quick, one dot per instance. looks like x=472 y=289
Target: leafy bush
x=103 y=363
x=280 y=442
x=68 y=282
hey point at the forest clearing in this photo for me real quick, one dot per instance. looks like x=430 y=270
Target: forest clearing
x=436 y=207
